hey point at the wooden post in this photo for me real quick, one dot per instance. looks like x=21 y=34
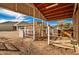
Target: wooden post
x=48 y=33
x=76 y=23
x=25 y=31
x=42 y=28
x=17 y=28
x=57 y=31
x=33 y=24
x=39 y=31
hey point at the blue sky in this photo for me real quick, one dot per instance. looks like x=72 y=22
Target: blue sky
x=7 y=15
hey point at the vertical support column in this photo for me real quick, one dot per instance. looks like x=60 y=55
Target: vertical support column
x=57 y=31
x=76 y=23
x=17 y=28
x=42 y=28
x=48 y=33
x=25 y=31
x=33 y=24
x=52 y=32
x=39 y=30
x=21 y=33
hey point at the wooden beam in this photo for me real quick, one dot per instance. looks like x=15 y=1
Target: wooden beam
x=64 y=6
x=59 y=12
x=59 y=18
x=60 y=15
x=59 y=5
x=42 y=5
x=39 y=4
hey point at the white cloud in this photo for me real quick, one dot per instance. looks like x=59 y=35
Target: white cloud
x=18 y=19
x=3 y=20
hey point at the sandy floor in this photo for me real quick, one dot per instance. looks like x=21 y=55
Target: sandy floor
x=9 y=34
x=28 y=47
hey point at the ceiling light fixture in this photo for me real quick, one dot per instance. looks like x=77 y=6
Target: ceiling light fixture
x=52 y=6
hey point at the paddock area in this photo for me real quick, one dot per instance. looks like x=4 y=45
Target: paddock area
x=11 y=44
x=39 y=29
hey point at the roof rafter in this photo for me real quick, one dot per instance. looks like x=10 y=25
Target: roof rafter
x=64 y=6
x=64 y=11
x=60 y=15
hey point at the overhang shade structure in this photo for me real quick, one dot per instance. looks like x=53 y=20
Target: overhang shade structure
x=49 y=11
x=56 y=11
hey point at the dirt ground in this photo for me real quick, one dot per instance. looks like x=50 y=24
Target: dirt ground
x=9 y=34
x=19 y=46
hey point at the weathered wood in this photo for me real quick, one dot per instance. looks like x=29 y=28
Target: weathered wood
x=76 y=22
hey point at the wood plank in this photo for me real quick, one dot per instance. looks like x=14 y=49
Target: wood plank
x=60 y=18
x=2 y=47
x=59 y=12
x=59 y=5
x=62 y=7
x=63 y=46
x=60 y=15
x=42 y=5
x=10 y=47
